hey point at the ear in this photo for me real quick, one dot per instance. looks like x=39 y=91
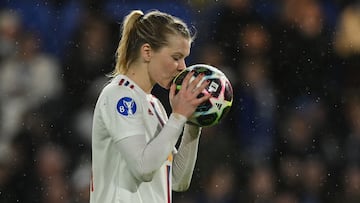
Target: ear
x=146 y=52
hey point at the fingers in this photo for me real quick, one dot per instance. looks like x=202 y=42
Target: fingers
x=186 y=80
x=204 y=98
x=188 y=84
x=199 y=89
x=192 y=88
x=186 y=100
x=196 y=86
x=193 y=85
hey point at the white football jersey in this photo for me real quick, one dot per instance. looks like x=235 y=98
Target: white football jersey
x=123 y=109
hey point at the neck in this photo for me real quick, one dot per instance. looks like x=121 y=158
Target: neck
x=139 y=74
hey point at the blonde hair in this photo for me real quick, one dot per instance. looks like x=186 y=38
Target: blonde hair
x=152 y=28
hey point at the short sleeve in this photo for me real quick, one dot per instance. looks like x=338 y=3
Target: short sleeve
x=122 y=112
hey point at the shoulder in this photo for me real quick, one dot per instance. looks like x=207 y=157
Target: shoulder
x=119 y=86
x=120 y=94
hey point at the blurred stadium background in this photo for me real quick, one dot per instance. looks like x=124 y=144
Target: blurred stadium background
x=293 y=134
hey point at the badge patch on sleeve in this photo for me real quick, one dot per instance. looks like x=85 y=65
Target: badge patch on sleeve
x=126 y=106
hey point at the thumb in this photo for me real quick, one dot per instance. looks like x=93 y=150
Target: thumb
x=172 y=92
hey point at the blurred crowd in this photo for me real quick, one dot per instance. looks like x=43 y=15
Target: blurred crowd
x=292 y=135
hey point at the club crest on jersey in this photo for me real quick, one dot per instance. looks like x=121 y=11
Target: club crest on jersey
x=126 y=106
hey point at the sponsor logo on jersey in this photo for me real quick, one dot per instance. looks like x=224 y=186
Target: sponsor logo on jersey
x=126 y=106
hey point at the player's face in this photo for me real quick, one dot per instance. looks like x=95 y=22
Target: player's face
x=167 y=62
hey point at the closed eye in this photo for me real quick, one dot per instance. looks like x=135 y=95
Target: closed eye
x=177 y=57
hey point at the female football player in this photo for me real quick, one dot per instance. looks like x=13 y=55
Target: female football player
x=134 y=155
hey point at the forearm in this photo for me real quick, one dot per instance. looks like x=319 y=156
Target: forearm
x=185 y=159
x=144 y=158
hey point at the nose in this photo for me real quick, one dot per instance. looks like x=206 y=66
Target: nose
x=182 y=65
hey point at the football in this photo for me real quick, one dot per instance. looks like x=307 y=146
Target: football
x=213 y=110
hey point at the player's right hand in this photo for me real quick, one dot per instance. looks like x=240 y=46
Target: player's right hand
x=186 y=100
